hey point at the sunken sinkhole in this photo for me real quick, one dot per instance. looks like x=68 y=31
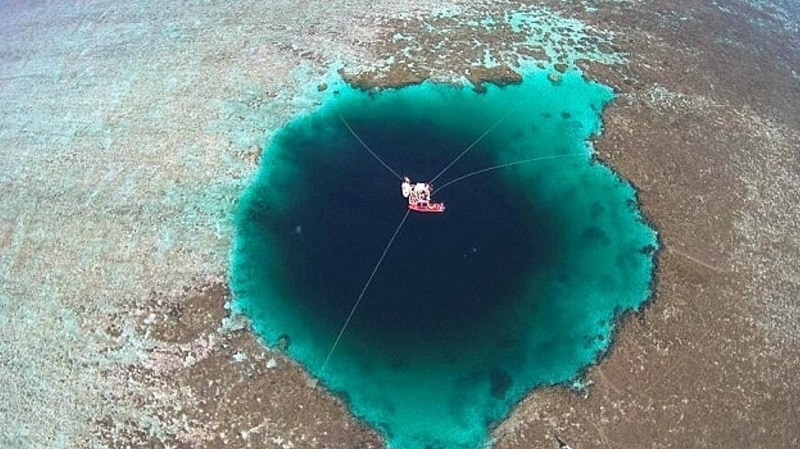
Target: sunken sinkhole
x=517 y=285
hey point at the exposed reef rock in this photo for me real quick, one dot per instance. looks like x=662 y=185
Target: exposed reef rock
x=498 y=75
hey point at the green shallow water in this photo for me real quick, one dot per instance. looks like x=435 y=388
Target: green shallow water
x=517 y=285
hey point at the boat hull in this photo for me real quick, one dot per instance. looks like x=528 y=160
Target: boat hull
x=427 y=208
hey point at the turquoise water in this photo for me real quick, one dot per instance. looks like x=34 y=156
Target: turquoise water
x=517 y=285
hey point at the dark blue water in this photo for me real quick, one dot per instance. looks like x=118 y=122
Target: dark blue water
x=516 y=285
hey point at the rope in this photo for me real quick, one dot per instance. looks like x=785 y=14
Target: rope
x=367 y=147
x=496 y=124
x=363 y=291
x=509 y=164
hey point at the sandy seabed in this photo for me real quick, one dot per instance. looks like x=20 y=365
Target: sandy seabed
x=127 y=132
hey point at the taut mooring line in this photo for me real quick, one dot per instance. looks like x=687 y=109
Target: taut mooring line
x=472 y=145
x=363 y=291
x=349 y=128
x=509 y=164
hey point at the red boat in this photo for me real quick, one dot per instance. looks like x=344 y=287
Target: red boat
x=419 y=197
x=429 y=207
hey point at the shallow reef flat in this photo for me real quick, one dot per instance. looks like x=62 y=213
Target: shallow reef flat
x=128 y=133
